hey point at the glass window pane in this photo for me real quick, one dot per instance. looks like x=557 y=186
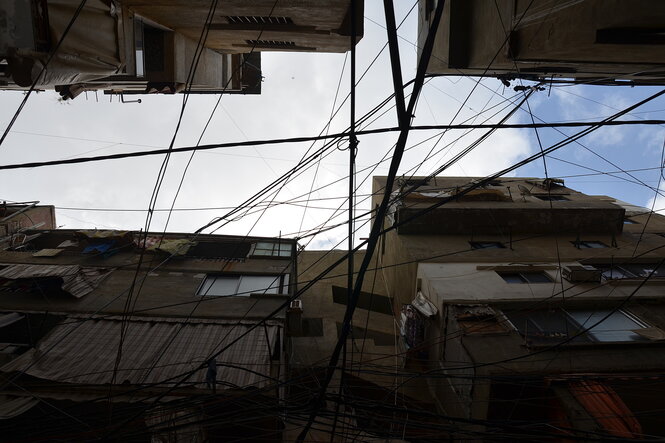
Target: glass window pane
x=486 y=245
x=512 y=277
x=285 y=250
x=536 y=277
x=588 y=244
x=219 y=286
x=264 y=248
x=544 y=324
x=617 y=327
x=539 y=322
x=644 y=269
x=258 y=284
x=613 y=272
x=273 y=249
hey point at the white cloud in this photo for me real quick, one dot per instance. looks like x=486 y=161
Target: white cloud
x=297 y=98
x=657 y=202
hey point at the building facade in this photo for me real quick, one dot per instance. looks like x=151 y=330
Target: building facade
x=370 y=374
x=138 y=47
x=102 y=341
x=549 y=315
x=588 y=41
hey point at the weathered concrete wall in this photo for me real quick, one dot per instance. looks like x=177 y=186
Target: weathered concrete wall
x=314 y=25
x=544 y=38
x=166 y=288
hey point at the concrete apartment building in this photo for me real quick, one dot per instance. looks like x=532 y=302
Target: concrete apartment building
x=195 y=356
x=587 y=41
x=64 y=298
x=551 y=314
x=514 y=306
x=372 y=375
x=139 y=47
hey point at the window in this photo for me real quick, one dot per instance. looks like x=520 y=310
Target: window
x=545 y=324
x=630 y=270
x=220 y=250
x=587 y=244
x=272 y=249
x=628 y=221
x=619 y=326
x=243 y=285
x=138 y=46
x=587 y=326
x=486 y=245
x=430 y=5
x=525 y=277
x=552 y=198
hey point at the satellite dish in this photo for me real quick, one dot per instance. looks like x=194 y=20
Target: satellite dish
x=524 y=190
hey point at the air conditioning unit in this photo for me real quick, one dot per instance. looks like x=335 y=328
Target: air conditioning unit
x=581 y=274
x=294 y=318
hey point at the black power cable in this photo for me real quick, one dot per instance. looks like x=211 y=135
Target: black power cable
x=335 y=136
x=404 y=114
x=183 y=377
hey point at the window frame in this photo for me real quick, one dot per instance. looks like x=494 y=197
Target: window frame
x=552 y=197
x=522 y=276
x=595 y=336
x=277 y=250
x=486 y=245
x=585 y=244
x=579 y=333
x=282 y=284
x=623 y=271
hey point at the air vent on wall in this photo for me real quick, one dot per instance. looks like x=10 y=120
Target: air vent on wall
x=270 y=43
x=258 y=20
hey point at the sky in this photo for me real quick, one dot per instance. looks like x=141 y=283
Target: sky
x=299 y=93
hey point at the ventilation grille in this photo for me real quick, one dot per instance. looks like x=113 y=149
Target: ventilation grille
x=258 y=20
x=270 y=43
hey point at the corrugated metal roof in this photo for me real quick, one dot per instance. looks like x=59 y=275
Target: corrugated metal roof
x=77 y=281
x=153 y=351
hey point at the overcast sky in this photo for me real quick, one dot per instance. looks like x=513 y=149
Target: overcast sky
x=297 y=99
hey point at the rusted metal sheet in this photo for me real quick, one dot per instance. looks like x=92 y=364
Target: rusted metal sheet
x=156 y=351
x=76 y=280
